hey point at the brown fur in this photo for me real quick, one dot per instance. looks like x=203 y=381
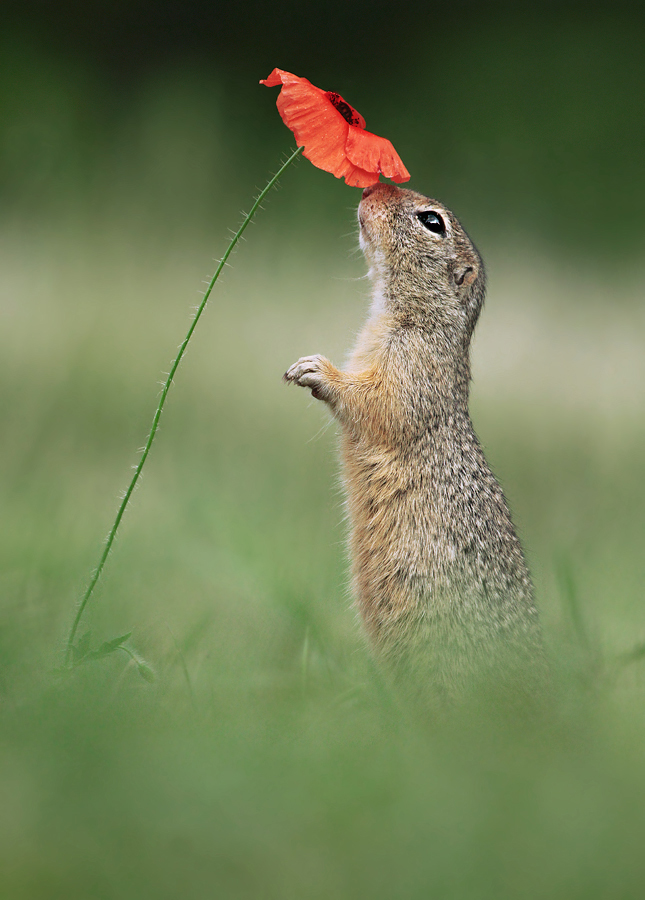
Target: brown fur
x=438 y=571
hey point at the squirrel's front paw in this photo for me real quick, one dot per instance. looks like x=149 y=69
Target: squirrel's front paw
x=311 y=372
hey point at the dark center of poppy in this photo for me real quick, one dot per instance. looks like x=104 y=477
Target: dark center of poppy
x=347 y=112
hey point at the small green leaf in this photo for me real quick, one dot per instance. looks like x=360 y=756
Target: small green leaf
x=80 y=651
x=108 y=647
x=115 y=643
x=146 y=672
x=95 y=654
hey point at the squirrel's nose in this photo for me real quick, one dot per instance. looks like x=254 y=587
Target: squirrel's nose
x=368 y=190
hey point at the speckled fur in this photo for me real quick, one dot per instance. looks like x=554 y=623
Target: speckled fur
x=438 y=570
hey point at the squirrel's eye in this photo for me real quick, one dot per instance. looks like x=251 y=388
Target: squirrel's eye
x=432 y=221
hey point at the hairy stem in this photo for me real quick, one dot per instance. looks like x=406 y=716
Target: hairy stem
x=162 y=400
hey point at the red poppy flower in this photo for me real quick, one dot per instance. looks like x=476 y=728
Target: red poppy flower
x=333 y=133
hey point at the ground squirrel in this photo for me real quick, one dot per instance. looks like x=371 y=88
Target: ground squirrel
x=438 y=571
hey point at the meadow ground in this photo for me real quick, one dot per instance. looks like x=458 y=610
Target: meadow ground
x=266 y=759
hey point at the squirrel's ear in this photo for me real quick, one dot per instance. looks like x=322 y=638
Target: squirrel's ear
x=464 y=275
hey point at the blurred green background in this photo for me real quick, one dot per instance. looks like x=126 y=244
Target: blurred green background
x=267 y=760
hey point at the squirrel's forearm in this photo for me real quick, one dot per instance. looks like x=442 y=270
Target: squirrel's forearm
x=361 y=401
x=336 y=388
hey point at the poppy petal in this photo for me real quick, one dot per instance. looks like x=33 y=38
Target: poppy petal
x=355 y=176
x=333 y=133
x=315 y=124
x=274 y=78
x=375 y=154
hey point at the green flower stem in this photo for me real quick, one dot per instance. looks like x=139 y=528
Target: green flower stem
x=162 y=400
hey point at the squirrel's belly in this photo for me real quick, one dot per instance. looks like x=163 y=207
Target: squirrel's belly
x=397 y=545
x=415 y=557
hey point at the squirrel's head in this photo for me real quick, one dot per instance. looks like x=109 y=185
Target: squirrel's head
x=420 y=258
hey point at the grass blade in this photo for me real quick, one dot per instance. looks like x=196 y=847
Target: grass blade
x=162 y=400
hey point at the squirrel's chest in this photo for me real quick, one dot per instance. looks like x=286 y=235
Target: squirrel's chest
x=390 y=491
x=428 y=493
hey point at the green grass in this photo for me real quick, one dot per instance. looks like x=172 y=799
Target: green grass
x=267 y=760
